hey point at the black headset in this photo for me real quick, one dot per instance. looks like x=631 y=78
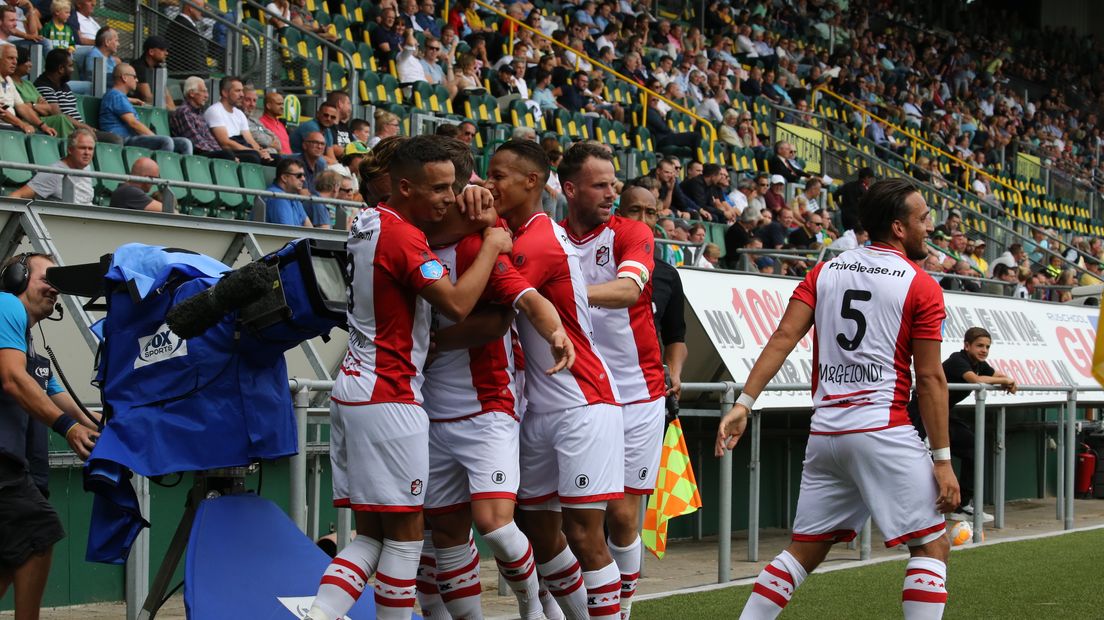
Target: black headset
x=14 y=277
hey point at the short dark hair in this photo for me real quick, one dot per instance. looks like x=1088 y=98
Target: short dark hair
x=226 y=81
x=1015 y=247
x=579 y=74
x=709 y=170
x=974 y=333
x=56 y=59
x=412 y=156
x=448 y=130
x=285 y=164
x=1000 y=270
x=531 y=152
x=577 y=155
x=357 y=124
x=883 y=204
x=101 y=34
x=462 y=160
x=865 y=173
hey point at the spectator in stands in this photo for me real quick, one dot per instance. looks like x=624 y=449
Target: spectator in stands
x=436 y=71
x=27 y=24
x=850 y=194
x=50 y=120
x=701 y=191
x=851 y=239
x=976 y=255
x=9 y=23
x=282 y=8
x=663 y=135
x=407 y=63
x=312 y=160
x=107 y=48
x=155 y=50
x=57 y=32
x=118 y=116
x=809 y=234
x=1036 y=248
x=1094 y=275
x=15 y=113
x=190 y=56
x=324 y=122
x=388 y=37
x=273 y=122
x=775 y=198
x=229 y=125
x=289 y=180
x=1006 y=275
x=261 y=134
x=426 y=19
x=136 y=194
x=187 y=121
x=952 y=223
x=347 y=166
x=388 y=124
x=807 y=202
x=781 y=163
x=1025 y=284
x=775 y=233
x=49 y=185
x=82 y=22
x=738 y=236
x=326 y=185
x=966 y=281
x=53 y=85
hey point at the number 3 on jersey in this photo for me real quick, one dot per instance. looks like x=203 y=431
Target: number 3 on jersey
x=853 y=314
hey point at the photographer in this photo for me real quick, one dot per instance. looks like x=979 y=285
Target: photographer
x=30 y=403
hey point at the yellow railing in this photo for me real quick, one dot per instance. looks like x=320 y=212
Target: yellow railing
x=580 y=55
x=867 y=115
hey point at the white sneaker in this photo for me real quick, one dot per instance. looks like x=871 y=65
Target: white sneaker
x=967 y=513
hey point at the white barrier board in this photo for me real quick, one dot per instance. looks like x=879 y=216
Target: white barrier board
x=1034 y=342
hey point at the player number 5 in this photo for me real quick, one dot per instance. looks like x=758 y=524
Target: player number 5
x=853 y=314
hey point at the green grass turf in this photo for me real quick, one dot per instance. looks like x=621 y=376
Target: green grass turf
x=1056 y=577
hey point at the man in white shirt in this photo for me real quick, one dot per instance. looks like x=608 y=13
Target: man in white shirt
x=229 y=125
x=86 y=25
x=409 y=66
x=49 y=185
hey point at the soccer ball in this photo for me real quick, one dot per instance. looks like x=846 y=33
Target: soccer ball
x=962 y=533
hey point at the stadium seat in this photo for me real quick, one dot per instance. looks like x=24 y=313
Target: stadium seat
x=423 y=97
x=196 y=170
x=230 y=204
x=108 y=158
x=172 y=169
x=253 y=177
x=132 y=154
x=89 y=107
x=13 y=148
x=44 y=150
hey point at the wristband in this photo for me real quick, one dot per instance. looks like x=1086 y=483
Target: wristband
x=746 y=400
x=941 y=454
x=63 y=425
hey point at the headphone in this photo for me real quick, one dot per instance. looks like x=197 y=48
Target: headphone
x=15 y=277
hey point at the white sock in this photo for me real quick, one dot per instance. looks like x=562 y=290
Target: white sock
x=345 y=578
x=429 y=599
x=396 y=578
x=628 y=562
x=773 y=588
x=924 y=594
x=458 y=581
x=515 y=561
x=565 y=583
x=603 y=588
x=549 y=605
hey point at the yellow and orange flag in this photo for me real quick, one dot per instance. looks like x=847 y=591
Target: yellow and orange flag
x=676 y=492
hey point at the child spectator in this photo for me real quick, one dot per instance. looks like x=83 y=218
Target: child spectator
x=57 y=31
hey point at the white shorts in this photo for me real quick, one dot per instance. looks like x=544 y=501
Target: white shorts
x=575 y=456
x=380 y=456
x=643 y=445
x=883 y=474
x=472 y=458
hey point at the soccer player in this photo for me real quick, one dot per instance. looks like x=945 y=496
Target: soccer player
x=379 y=433
x=965 y=366
x=616 y=258
x=470 y=396
x=875 y=314
x=572 y=461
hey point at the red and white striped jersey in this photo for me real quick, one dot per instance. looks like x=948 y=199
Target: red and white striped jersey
x=869 y=305
x=626 y=337
x=467 y=382
x=389 y=264
x=545 y=258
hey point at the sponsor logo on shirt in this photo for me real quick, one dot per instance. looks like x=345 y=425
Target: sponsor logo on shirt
x=160 y=346
x=498 y=477
x=582 y=481
x=42 y=372
x=432 y=270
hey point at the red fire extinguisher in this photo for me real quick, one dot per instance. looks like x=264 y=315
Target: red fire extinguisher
x=1086 y=468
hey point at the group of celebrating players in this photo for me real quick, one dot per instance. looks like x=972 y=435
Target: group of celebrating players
x=449 y=407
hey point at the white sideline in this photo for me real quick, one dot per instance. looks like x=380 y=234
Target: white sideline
x=835 y=566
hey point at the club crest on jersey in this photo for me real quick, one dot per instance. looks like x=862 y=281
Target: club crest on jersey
x=416 y=487
x=601 y=257
x=519 y=260
x=432 y=270
x=500 y=267
x=582 y=481
x=498 y=477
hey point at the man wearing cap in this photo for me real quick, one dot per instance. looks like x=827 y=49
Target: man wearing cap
x=154 y=52
x=976 y=255
x=776 y=195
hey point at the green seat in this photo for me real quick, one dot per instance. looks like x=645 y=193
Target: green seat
x=196 y=170
x=89 y=108
x=44 y=150
x=13 y=148
x=159 y=122
x=443 y=99
x=108 y=158
x=390 y=87
x=369 y=86
x=225 y=174
x=132 y=154
x=253 y=176
x=172 y=169
x=424 y=98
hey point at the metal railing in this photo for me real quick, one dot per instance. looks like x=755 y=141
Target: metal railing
x=229 y=57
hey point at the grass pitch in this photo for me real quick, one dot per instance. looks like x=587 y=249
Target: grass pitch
x=1054 y=577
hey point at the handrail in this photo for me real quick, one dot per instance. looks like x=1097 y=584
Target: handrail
x=867 y=113
x=678 y=106
x=237 y=28
x=354 y=90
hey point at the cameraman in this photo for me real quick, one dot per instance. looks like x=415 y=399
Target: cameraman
x=31 y=402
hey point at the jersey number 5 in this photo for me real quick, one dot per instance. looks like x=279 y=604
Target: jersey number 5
x=853 y=314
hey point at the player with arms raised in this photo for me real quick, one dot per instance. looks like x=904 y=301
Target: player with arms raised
x=616 y=257
x=876 y=312
x=379 y=434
